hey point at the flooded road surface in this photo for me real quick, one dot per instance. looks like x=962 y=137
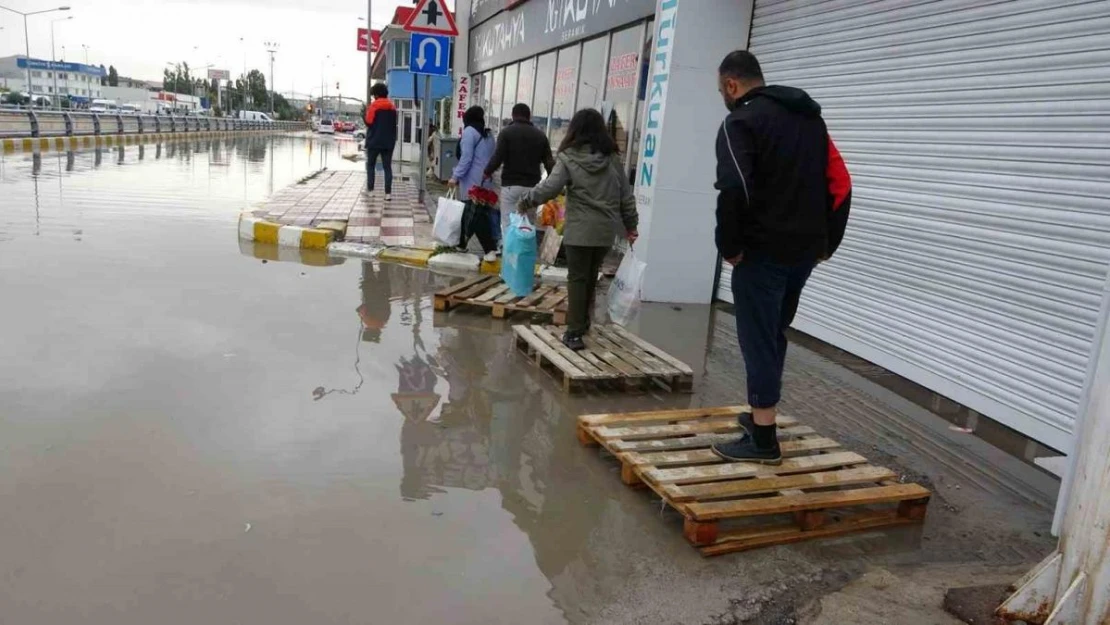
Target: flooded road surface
x=190 y=435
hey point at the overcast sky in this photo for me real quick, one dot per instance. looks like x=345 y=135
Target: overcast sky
x=140 y=36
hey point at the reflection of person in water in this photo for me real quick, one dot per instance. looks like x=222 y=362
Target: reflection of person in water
x=375 y=308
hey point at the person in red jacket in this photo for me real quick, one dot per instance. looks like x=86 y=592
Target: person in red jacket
x=782 y=207
x=381 y=137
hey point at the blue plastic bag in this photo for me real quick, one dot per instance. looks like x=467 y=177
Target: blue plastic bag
x=518 y=258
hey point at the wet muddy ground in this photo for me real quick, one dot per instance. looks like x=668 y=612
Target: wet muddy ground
x=190 y=435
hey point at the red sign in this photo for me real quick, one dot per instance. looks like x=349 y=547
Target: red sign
x=375 y=39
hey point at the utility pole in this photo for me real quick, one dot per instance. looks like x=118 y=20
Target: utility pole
x=27 y=42
x=54 y=59
x=272 y=48
x=369 y=47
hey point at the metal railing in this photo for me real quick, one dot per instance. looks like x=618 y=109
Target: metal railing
x=20 y=122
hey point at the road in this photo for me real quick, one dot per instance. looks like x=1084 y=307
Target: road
x=189 y=434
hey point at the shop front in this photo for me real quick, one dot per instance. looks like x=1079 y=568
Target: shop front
x=558 y=57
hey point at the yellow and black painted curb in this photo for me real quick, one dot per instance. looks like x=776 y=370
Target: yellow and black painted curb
x=253 y=228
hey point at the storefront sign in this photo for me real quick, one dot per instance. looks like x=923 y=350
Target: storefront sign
x=462 y=101
x=540 y=25
x=78 y=68
x=656 y=100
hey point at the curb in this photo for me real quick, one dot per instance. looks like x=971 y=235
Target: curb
x=453 y=263
x=407 y=256
x=38 y=144
x=252 y=228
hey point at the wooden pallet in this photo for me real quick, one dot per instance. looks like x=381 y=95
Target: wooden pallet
x=827 y=490
x=492 y=293
x=613 y=357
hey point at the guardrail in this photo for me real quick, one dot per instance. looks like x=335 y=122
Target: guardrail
x=17 y=123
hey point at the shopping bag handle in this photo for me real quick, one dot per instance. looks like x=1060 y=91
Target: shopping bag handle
x=452 y=193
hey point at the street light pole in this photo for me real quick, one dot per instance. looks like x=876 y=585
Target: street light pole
x=53 y=59
x=27 y=42
x=271 y=47
x=369 y=47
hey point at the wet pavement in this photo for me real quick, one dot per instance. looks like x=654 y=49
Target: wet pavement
x=191 y=435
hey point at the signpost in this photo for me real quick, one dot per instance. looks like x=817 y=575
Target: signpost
x=432 y=27
x=217 y=75
x=375 y=37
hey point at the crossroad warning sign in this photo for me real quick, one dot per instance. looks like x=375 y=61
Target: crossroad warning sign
x=431 y=17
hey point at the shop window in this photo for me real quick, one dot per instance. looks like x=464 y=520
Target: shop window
x=621 y=85
x=524 y=80
x=591 y=78
x=493 y=111
x=566 y=79
x=545 y=82
x=510 y=95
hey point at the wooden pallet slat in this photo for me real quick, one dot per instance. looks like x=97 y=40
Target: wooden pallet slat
x=490 y=292
x=603 y=361
x=824 y=489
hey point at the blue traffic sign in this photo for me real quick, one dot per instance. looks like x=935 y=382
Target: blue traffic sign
x=430 y=54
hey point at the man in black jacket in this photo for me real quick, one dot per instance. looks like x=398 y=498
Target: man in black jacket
x=521 y=148
x=781 y=208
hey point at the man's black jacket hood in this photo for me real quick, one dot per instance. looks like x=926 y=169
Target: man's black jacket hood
x=791 y=98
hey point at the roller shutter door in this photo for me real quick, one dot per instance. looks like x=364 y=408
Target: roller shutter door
x=978 y=137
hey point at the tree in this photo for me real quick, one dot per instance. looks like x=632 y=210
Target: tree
x=16 y=98
x=113 y=76
x=103 y=76
x=256 y=87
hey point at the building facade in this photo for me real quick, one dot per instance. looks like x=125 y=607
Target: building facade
x=976 y=133
x=75 y=81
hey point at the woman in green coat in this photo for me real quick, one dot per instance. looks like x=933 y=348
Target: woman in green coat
x=599 y=206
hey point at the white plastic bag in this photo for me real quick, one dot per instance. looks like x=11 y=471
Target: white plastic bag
x=624 y=293
x=449 y=215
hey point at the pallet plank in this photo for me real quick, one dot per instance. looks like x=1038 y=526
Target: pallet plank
x=495 y=292
x=661 y=367
x=535 y=296
x=759 y=485
x=703 y=511
x=658 y=431
x=654 y=351
x=643 y=368
x=553 y=343
x=563 y=364
x=730 y=541
x=703 y=456
x=693 y=442
x=461 y=286
x=477 y=288
x=684 y=414
x=733 y=470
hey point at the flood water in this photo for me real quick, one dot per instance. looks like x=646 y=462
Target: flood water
x=188 y=434
x=191 y=435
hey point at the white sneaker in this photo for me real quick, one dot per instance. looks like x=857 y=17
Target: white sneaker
x=490 y=257
x=388 y=197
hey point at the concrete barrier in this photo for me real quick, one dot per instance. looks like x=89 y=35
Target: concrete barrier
x=35 y=123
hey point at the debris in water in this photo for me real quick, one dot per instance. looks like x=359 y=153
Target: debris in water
x=229 y=355
x=956 y=428
x=434 y=513
x=264 y=261
x=246 y=527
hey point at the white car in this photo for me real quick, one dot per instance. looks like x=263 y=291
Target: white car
x=326 y=127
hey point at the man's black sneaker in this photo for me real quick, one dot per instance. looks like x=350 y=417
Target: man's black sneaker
x=744 y=450
x=574 y=342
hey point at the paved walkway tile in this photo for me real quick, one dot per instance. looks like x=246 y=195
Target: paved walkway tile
x=342 y=196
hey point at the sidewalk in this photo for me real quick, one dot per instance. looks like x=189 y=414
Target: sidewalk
x=339 y=201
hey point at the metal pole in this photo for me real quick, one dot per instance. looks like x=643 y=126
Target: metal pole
x=54 y=60
x=422 y=133
x=369 y=48
x=27 y=44
x=271 y=83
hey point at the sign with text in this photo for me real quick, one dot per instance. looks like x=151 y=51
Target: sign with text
x=429 y=54
x=22 y=63
x=219 y=74
x=541 y=25
x=431 y=17
x=375 y=39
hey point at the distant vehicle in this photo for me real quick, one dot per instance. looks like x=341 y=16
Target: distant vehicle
x=341 y=125
x=130 y=109
x=326 y=127
x=103 y=106
x=254 y=116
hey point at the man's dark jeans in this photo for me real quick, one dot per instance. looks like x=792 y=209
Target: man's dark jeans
x=765 y=295
x=372 y=155
x=583 y=263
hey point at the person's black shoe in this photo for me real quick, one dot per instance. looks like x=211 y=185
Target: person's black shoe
x=744 y=450
x=574 y=342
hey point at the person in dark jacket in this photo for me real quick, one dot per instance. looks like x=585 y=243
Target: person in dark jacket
x=782 y=206
x=381 y=137
x=521 y=149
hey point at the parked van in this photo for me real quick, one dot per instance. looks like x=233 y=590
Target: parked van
x=130 y=109
x=254 y=116
x=103 y=106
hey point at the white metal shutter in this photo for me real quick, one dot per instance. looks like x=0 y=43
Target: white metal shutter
x=977 y=133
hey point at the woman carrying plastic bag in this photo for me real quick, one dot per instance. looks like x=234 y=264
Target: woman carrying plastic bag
x=518 y=260
x=624 y=293
x=599 y=197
